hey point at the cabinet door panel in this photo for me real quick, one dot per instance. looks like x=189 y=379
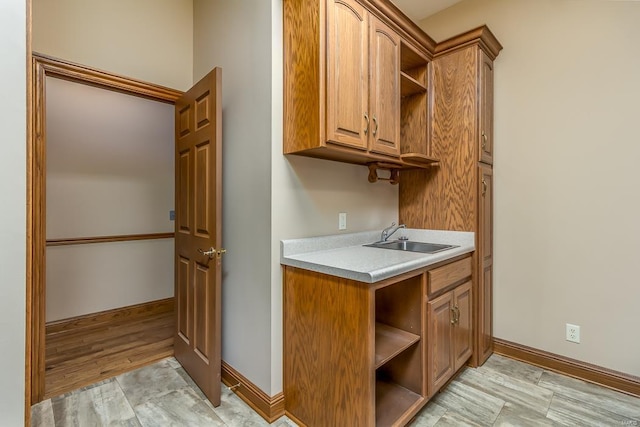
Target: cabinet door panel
x=486 y=109
x=385 y=89
x=485 y=217
x=347 y=73
x=462 y=331
x=440 y=351
x=485 y=323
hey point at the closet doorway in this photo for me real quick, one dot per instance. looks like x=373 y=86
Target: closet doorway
x=99 y=217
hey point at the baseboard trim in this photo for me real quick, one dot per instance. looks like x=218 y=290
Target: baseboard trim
x=130 y=312
x=615 y=380
x=269 y=408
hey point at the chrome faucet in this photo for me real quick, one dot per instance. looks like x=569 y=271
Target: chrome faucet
x=387 y=232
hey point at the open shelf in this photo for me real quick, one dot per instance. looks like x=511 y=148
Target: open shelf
x=410 y=86
x=410 y=58
x=392 y=402
x=390 y=342
x=417 y=159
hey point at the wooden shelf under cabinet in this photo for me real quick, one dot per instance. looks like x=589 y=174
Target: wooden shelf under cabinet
x=390 y=342
x=392 y=402
x=410 y=86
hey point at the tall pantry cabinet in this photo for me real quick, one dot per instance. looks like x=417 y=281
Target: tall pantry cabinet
x=458 y=195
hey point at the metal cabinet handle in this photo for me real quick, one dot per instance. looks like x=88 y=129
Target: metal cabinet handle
x=455 y=312
x=484 y=187
x=375 y=122
x=211 y=252
x=366 y=129
x=484 y=140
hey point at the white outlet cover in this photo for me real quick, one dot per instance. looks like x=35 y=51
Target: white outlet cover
x=342 y=221
x=573 y=333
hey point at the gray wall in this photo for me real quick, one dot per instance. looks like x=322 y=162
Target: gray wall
x=12 y=216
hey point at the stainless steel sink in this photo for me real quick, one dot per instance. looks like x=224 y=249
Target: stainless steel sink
x=406 y=245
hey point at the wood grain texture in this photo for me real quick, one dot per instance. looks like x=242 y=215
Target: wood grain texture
x=401 y=306
x=485 y=102
x=304 y=44
x=90 y=348
x=335 y=106
x=448 y=275
x=384 y=89
x=41 y=67
x=327 y=377
x=108 y=239
x=387 y=10
x=440 y=349
x=268 y=407
x=481 y=36
x=463 y=328
x=615 y=380
x=133 y=312
x=64 y=69
x=445 y=198
x=348 y=70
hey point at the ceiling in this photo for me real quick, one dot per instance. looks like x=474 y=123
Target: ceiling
x=420 y=9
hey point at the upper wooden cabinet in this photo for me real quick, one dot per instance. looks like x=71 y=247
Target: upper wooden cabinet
x=486 y=108
x=355 y=83
x=363 y=80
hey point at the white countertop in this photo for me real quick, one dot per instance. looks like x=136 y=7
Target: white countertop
x=344 y=255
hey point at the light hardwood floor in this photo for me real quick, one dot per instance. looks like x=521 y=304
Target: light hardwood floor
x=82 y=355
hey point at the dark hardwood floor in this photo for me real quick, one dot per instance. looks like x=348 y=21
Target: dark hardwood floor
x=84 y=352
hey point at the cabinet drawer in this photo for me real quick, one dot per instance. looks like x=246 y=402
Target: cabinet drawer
x=441 y=277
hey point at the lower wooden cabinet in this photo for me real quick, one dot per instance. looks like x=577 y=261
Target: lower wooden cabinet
x=372 y=354
x=449 y=335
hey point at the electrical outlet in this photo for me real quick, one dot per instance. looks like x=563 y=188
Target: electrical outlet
x=573 y=333
x=172 y=215
x=342 y=221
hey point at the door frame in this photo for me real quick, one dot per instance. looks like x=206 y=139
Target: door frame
x=42 y=66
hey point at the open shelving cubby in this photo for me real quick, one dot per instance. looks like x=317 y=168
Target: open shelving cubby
x=398 y=349
x=414 y=71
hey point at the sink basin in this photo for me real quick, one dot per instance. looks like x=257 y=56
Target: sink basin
x=406 y=245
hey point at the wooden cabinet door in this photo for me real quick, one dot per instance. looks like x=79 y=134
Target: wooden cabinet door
x=440 y=364
x=485 y=214
x=384 y=89
x=463 y=329
x=485 y=264
x=486 y=109
x=348 y=120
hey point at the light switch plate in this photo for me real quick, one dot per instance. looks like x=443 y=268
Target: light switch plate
x=172 y=215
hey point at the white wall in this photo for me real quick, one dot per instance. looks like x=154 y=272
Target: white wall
x=267 y=196
x=12 y=216
x=150 y=40
x=567 y=235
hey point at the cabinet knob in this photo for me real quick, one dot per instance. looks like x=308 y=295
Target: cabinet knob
x=366 y=129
